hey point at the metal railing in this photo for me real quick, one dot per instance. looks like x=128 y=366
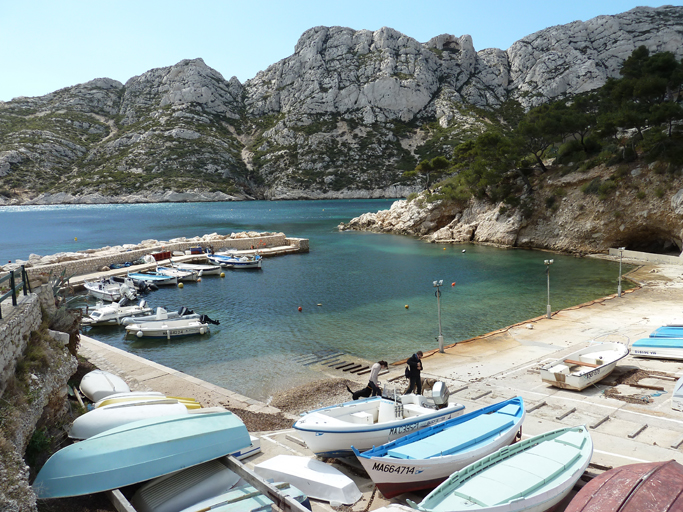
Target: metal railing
x=14 y=288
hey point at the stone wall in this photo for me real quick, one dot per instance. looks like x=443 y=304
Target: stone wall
x=649 y=257
x=14 y=334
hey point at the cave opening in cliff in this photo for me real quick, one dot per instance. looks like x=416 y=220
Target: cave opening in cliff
x=654 y=243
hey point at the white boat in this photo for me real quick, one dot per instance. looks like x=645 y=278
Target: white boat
x=181 y=275
x=584 y=367
x=236 y=261
x=201 y=269
x=99 y=384
x=424 y=459
x=154 y=278
x=313 y=477
x=109 y=291
x=246 y=498
x=162 y=314
x=169 y=328
x=331 y=431
x=533 y=475
x=113 y=313
x=145 y=396
x=107 y=417
x=658 y=348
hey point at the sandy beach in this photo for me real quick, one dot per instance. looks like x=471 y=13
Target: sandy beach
x=628 y=423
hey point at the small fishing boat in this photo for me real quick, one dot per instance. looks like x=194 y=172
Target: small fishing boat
x=162 y=314
x=171 y=328
x=584 y=367
x=113 y=313
x=182 y=275
x=315 y=478
x=533 y=475
x=110 y=291
x=139 y=451
x=247 y=499
x=236 y=261
x=145 y=396
x=331 y=431
x=107 y=417
x=658 y=348
x=651 y=487
x=154 y=278
x=200 y=268
x=424 y=459
x=99 y=384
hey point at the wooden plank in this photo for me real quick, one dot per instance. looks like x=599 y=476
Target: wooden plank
x=645 y=386
x=637 y=431
x=481 y=395
x=354 y=367
x=563 y=416
x=363 y=369
x=579 y=363
x=537 y=406
x=599 y=422
x=678 y=442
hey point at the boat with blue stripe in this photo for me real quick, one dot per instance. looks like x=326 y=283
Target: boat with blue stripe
x=658 y=348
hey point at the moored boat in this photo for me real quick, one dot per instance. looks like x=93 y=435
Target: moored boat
x=424 y=459
x=168 y=329
x=237 y=261
x=658 y=348
x=139 y=451
x=200 y=268
x=107 y=290
x=99 y=384
x=585 y=366
x=331 y=431
x=154 y=278
x=533 y=475
x=651 y=487
x=182 y=275
x=161 y=314
x=112 y=314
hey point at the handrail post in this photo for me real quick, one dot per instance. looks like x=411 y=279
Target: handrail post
x=11 y=284
x=24 y=278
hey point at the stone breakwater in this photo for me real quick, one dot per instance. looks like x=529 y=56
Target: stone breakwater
x=94 y=260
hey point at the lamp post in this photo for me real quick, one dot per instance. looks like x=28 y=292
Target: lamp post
x=437 y=285
x=547 y=271
x=621 y=254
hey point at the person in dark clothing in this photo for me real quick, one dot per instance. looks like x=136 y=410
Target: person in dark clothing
x=413 y=373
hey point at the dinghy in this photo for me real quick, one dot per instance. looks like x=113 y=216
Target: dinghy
x=658 y=348
x=651 y=487
x=247 y=499
x=99 y=384
x=139 y=451
x=200 y=268
x=154 y=278
x=113 y=313
x=107 y=417
x=168 y=329
x=107 y=290
x=313 y=477
x=235 y=261
x=331 y=431
x=145 y=396
x=533 y=475
x=182 y=275
x=424 y=459
x=584 y=367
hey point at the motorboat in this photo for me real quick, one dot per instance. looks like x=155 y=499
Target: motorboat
x=107 y=417
x=110 y=291
x=99 y=384
x=182 y=275
x=162 y=314
x=201 y=269
x=533 y=475
x=315 y=478
x=652 y=487
x=154 y=278
x=113 y=313
x=173 y=328
x=585 y=366
x=139 y=451
x=658 y=348
x=332 y=431
x=424 y=459
x=236 y=261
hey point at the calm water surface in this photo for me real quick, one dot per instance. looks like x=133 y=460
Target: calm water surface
x=352 y=287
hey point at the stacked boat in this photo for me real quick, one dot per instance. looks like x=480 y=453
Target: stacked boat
x=665 y=342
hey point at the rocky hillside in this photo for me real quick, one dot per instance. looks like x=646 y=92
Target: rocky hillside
x=344 y=116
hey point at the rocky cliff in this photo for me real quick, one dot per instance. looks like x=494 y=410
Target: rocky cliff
x=342 y=117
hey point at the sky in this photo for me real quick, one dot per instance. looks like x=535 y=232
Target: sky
x=46 y=45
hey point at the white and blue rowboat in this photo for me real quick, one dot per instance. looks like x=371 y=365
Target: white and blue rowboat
x=98 y=384
x=667 y=331
x=247 y=499
x=585 y=366
x=234 y=261
x=658 y=348
x=139 y=451
x=154 y=278
x=533 y=475
x=331 y=431
x=182 y=275
x=424 y=459
x=200 y=268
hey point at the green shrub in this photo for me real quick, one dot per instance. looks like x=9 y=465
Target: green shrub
x=591 y=187
x=659 y=192
x=640 y=194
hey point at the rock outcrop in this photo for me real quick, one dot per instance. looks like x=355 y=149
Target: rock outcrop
x=344 y=116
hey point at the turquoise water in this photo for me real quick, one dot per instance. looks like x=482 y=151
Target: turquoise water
x=352 y=287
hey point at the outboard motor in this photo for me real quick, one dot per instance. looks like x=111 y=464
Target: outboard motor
x=124 y=301
x=143 y=303
x=185 y=311
x=440 y=394
x=206 y=320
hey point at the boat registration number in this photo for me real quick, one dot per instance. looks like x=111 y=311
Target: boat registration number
x=390 y=468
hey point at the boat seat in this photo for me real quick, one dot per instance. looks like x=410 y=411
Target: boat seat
x=387 y=412
x=560 y=368
x=361 y=417
x=411 y=410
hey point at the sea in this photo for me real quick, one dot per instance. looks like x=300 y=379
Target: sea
x=367 y=295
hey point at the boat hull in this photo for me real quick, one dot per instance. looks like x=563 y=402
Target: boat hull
x=658 y=348
x=99 y=384
x=168 y=330
x=139 y=451
x=496 y=425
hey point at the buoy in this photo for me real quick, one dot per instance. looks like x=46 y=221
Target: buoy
x=222 y=274
x=201 y=330
x=75 y=239
x=300 y=308
x=180 y=285
x=444 y=248
x=139 y=334
x=199 y=279
x=464 y=250
x=406 y=306
x=319 y=304
x=453 y=283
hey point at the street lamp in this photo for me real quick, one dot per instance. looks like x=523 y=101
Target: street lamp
x=621 y=254
x=547 y=271
x=437 y=285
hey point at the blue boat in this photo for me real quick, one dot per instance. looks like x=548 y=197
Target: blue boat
x=424 y=459
x=140 y=451
x=658 y=348
x=236 y=261
x=667 y=331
